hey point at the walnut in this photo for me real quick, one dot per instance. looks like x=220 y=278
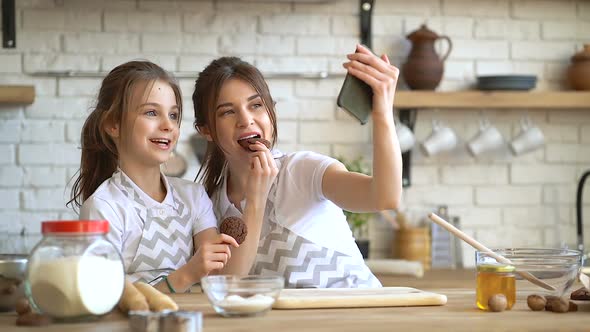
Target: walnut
x=536 y=302
x=22 y=306
x=557 y=304
x=497 y=302
x=234 y=227
x=33 y=319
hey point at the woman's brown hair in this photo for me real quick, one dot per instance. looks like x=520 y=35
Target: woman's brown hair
x=99 y=153
x=205 y=96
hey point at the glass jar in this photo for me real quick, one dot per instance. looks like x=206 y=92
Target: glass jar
x=494 y=278
x=74 y=272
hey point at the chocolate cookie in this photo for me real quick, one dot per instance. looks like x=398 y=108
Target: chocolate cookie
x=234 y=227
x=245 y=143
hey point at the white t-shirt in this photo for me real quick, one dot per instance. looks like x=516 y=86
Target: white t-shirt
x=154 y=238
x=316 y=245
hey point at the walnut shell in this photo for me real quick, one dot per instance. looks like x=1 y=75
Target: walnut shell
x=557 y=304
x=536 y=302
x=497 y=302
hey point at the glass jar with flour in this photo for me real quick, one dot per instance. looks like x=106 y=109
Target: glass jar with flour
x=74 y=272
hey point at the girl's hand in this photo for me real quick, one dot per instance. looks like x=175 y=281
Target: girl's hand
x=378 y=73
x=212 y=254
x=263 y=171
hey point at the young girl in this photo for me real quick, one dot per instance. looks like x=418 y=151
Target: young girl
x=304 y=235
x=156 y=222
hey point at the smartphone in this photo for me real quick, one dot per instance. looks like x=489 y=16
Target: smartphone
x=356 y=97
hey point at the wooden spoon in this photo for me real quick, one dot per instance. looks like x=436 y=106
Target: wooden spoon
x=472 y=242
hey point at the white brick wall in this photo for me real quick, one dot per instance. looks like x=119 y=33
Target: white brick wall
x=497 y=196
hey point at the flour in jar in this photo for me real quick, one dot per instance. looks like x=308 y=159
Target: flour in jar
x=76 y=285
x=238 y=304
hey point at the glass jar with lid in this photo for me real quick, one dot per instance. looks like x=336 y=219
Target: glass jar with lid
x=493 y=278
x=74 y=272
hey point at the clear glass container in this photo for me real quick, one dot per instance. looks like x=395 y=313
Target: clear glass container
x=495 y=279
x=74 y=272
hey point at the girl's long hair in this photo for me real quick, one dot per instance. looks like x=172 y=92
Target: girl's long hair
x=99 y=153
x=205 y=96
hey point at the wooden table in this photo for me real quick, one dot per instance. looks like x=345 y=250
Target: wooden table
x=459 y=314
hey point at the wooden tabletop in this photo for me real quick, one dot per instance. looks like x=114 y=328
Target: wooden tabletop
x=459 y=314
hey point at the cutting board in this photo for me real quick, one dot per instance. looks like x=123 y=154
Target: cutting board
x=308 y=298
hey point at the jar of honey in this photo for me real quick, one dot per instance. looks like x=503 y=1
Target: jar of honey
x=495 y=279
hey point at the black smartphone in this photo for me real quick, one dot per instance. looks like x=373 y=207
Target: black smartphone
x=356 y=97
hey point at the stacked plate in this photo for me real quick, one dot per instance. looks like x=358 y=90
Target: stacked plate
x=507 y=82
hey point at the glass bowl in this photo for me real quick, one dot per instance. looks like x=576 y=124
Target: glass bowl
x=233 y=296
x=12 y=275
x=556 y=267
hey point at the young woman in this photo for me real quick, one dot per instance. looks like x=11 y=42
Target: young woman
x=304 y=235
x=164 y=227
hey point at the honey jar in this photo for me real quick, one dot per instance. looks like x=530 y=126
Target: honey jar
x=495 y=279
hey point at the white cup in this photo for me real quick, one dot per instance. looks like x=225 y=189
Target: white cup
x=405 y=136
x=488 y=138
x=529 y=139
x=441 y=139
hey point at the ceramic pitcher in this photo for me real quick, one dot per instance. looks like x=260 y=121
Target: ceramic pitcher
x=578 y=73
x=424 y=68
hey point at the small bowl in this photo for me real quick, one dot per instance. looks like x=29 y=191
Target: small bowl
x=12 y=276
x=556 y=267
x=235 y=296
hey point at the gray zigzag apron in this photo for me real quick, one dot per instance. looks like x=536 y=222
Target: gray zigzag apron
x=301 y=262
x=166 y=242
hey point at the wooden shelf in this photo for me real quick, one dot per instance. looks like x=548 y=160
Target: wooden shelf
x=17 y=94
x=493 y=100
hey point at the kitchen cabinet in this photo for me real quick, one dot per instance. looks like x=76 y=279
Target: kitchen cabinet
x=17 y=94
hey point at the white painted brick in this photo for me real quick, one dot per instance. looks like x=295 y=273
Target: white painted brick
x=73 y=87
x=343 y=46
x=316 y=46
x=328 y=88
x=287 y=131
x=583 y=10
x=459 y=70
x=58 y=108
x=194 y=63
x=351 y=151
x=562 y=194
x=71 y=215
x=287 y=109
x=340 y=7
x=315 y=147
x=434 y=195
x=507 y=195
x=474 y=175
x=39 y=41
x=78 y=20
x=412 y=24
x=7 y=151
x=492 y=8
x=43 y=131
x=384 y=25
x=280 y=88
x=556 y=71
x=43 y=86
x=101 y=43
x=458 y=27
x=10 y=63
x=479 y=49
x=530 y=174
x=558 y=29
x=60 y=62
x=568 y=116
x=127 y=21
x=11 y=176
x=568 y=153
x=507 y=29
x=585 y=132
x=423 y=175
x=212 y=23
x=237 y=44
x=200 y=44
x=475 y=216
x=544 y=9
x=180 y=6
x=559 y=133
x=295 y=24
x=9 y=225
x=161 y=42
x=92 y=4
x=10 y=130
x=425 y=7
x=34 y=4
x=44 y=199
x=332 y=132
x=74 y=131
x=8 y=111
x=167 y=62
x=250 y=7
x=9 y=199
x=299 y=64
x=49 y=154
x=39 y=177
x=31 y=220
x=310 y=109
x=529 y=50
x=275 y=45
x=349 y=25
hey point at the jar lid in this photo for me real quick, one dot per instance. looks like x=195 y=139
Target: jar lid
x=495 y=268
x=75 y=226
